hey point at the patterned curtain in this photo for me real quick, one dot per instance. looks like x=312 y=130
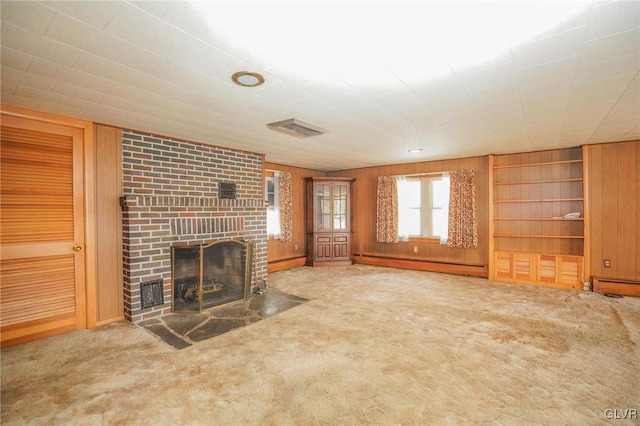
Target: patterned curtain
x=387 y=210
x=463 y=225
x=285 y=205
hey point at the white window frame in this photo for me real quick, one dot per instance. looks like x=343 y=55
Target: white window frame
x=426 y=207
x=273 y=211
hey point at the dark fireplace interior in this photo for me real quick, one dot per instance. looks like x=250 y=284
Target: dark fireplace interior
x=209 y=275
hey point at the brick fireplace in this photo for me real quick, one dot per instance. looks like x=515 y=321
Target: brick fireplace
x=172 y=196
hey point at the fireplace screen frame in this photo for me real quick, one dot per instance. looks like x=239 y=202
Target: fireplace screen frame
x=202 y=290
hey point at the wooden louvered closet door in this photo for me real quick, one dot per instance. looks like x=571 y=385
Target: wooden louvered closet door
x=42 y=284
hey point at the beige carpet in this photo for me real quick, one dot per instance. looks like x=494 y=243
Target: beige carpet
x=372 y=346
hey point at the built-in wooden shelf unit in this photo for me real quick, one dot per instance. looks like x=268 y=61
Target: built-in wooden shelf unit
x=530 y=239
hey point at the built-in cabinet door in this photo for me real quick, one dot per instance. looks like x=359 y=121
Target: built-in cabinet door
x=328 y=221
x=323 y=247
x=340 y=193
x=42 y=275
x=341 y=247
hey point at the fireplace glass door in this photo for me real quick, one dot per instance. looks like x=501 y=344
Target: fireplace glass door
x=209 y=275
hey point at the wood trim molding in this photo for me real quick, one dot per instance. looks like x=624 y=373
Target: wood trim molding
x=281 y=265
x=480 y=271
x=491 y=214
x=586 y=213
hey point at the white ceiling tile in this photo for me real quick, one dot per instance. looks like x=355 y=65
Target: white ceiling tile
x=215 y=63
x=15 y=59
x=187 y=78
x=613 y=17
x=460 y=63
x=193 y=21
x=579 y=17
x=549 y=49
x=72 y=32
x=328 y=87
x=60 y=73
x=200 y=100
x=498 y=76
x=45 y=96
x=352 y=102
x=620 y=44
x=632 y=91
x=607 y=88
x=375 y=81
x=8 y=87
x=633 y=134
x=441 y=92
x=39 y=46
x=497 y=97
x=612 y=67
x=168 y=42
x=27 y=79
x=591 y=105
x=158 y=86
x=96 y=13
x=282 y=93
x=140 y=59
x=83 y=93
x=608 y=135
x=21 y=102
x=504 y=117
x=132 y=24
x=28 y=14
x=156 y=8
x=404 y=100
x=549 y=105
x=547 y=88
x=125 y=91
x=85 y=37
x=550 y=71
x=93 y=64
x=418 y=69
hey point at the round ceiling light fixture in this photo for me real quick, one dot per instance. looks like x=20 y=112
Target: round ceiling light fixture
x=247 y=79
x=415 y=150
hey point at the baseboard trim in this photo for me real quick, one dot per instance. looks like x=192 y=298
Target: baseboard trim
x=280 y=265
x=109 y=321
x=422 y=265
x=616 y=286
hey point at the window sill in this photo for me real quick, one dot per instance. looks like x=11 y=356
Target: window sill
x=428 y=240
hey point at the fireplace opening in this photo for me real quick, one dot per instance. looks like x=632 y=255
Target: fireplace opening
x=209 y=275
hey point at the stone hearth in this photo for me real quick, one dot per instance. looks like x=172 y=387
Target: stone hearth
x=182 y=330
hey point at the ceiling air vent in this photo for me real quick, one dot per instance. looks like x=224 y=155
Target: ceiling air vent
x=297 y=128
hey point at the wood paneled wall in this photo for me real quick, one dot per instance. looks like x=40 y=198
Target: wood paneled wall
x=364 y=213
x=108 y=179
x=277 y=250
x=613 y=185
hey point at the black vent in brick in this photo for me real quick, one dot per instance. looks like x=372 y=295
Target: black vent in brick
x=151 y=293
x=227 y=190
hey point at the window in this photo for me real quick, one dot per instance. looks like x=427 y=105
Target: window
x=423 y=206
x=273 y=200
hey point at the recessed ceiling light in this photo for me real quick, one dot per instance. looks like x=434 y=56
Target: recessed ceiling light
x=415 y=150
x=247 y=79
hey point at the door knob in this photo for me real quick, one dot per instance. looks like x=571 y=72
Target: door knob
x=77 y=248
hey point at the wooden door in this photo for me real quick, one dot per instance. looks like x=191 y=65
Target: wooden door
x=42 y=264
